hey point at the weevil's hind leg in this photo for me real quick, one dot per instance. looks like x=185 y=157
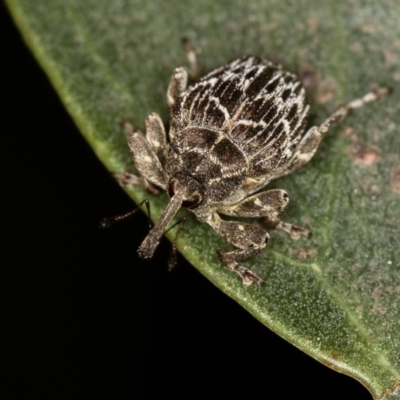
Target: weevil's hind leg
x=177 y=85
x=195 y=70
x=310 y=141
x=249 y=240
x=270 y=205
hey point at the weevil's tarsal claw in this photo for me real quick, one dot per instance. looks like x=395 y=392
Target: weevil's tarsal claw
x=248 y=276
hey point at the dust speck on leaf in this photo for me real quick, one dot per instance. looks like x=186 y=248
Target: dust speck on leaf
x=369 y=28
x=375 y=190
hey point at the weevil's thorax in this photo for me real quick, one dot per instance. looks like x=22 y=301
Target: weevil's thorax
x=209 y=158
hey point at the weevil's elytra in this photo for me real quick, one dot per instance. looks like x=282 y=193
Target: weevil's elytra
x=231 y=133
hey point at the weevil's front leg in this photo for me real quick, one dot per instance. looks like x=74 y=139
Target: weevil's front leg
x=145 y=152
x=156 y=137
x=249 y=239
x=310 y=141
x=146 y=160
x=269 y=205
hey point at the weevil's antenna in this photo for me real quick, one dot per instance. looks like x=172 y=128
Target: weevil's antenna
x=107 y=222
x=172 y=257
x=150 y=243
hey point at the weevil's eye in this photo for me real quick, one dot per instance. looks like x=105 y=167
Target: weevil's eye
x=193 y=201
x=172 y=188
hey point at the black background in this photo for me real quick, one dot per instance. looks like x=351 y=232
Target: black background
x=82 y=315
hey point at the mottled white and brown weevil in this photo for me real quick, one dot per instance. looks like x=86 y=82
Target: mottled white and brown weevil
x=231 y=133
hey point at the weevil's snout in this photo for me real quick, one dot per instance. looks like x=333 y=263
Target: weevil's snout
x=192 y=191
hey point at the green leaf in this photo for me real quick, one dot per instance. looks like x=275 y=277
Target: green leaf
x=336 y=296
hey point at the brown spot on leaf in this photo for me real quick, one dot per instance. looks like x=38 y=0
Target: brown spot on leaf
x=356 y=267
x=308 y=75
x=356 y=48
x=375 y=190
x=313 y=22
x=396 y=76
x=369 y=28
x=325 y=91
x=395 y=179
x=303 y=254
x=393 y=390
x=362 y=154
x=376 y=294
x=379 y=310
x=390 y=57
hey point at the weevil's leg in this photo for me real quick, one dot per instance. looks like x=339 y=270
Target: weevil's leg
x=295 y=231
x=310 y=141
x=156 y=137
x=249 y=239
x=195 y=69
x=270 y=205
x=177 y=85
x=126 y=178
x=146 y=160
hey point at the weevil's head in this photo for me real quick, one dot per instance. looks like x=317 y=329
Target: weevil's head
x=184 y=191
x=193 y=193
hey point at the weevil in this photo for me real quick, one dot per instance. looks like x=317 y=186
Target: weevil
x=231 y=133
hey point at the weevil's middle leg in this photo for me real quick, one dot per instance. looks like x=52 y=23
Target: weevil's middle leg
x=269 y=205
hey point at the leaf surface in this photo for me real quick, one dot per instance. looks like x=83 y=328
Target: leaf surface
x=336 y=296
